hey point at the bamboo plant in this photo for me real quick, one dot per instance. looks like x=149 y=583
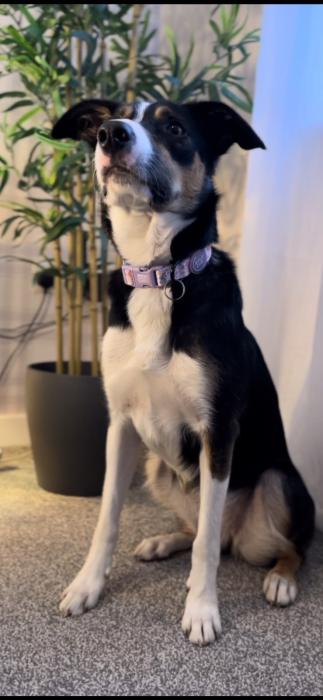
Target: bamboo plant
x=64 y=53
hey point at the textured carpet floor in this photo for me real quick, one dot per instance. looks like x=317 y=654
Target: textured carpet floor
x=132 y=643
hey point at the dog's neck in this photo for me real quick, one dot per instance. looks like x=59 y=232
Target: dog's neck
x=145 y=237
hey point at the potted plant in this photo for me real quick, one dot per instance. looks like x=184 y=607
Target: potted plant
x=64 y=53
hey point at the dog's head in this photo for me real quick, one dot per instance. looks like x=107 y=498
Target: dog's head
x=159 y=155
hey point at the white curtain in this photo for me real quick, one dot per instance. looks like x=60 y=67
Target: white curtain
x=282 y=246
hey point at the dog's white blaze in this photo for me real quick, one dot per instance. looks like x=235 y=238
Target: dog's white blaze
x=141 y=151
x=101 y=160
x=143 y=147
x=141 y=108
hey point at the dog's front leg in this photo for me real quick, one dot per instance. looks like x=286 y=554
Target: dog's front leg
x=122 y=454
x=201 y=621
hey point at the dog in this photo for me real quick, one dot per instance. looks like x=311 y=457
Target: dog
x=183 y=376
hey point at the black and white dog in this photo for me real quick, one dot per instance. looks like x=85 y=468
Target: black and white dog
x=183 y=376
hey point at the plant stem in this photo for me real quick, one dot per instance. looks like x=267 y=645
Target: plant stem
x=71 y=302
x=79 y=250
x=58 y=308
x=79 y=286
x=71 y=286
x=133 y=54
x=93 y=286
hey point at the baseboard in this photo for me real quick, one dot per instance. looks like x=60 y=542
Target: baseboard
x=14 y=430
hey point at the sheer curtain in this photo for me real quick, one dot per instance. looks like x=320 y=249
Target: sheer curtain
x=282 y=246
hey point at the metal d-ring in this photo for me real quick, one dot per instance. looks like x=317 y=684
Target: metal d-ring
x=172 y=298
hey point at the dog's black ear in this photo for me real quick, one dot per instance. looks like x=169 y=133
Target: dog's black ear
x=221 y=127
x=82 y=121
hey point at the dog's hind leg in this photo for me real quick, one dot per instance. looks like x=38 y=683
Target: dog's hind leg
x=164 y=486
x=162 y=546
x=280 y=587
x=270 y=531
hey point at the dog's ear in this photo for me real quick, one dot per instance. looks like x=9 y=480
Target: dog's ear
x=221 y=127
x=82 y=121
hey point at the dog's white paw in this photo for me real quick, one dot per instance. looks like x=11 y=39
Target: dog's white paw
x=151 y=548
x=279 y=590
x=201 y=621
x=82 y=594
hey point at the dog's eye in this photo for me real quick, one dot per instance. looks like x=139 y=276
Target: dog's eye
x=175 y=128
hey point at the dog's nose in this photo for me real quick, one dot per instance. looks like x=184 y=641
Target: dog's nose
x=114 y=135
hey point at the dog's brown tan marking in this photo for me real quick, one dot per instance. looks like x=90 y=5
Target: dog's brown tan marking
x=127 y=111
x=280 y=587
x=189 y=180
x=89 y=124
x=288 y=566
x=162 y=112
x=192 y=182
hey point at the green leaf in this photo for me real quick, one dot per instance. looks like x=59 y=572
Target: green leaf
x=65 y=146
x=7 y=223
x=52 y=201
x=242 y=104
x=4 y=177
x=59 y=107
x=4 y=173
x=15 y=93
x=243 y=91
x=27 y=212
x=25 y=12
x=175 y=60
x=62 y=227
x=239 y=29
x=216 y=29
x=22 y=134
x=20 y=103
x=213 y=91
x=20 y=40
x=23 y=119
x=186 y=64
x=224 y=18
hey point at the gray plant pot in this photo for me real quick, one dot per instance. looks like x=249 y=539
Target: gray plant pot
x=68 y=421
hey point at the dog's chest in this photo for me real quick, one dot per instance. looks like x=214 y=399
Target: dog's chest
x=159 y=389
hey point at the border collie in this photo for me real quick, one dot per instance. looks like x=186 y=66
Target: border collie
x=184 y=377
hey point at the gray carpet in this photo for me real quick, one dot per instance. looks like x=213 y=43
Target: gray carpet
x=132 y=643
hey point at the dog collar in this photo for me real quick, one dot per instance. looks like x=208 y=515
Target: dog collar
x=161 y=275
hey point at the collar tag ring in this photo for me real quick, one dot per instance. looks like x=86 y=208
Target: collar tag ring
x=182 y=291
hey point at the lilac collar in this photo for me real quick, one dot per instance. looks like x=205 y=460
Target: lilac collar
x=161 y=275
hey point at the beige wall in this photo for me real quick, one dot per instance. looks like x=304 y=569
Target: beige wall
x=19 y=298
